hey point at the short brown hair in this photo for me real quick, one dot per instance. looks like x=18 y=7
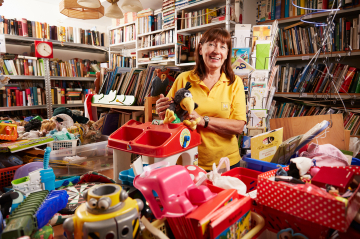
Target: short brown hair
x=215 y=34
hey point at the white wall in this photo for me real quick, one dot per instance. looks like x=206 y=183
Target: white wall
x=48 y=11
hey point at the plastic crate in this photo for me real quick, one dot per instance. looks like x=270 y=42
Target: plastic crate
x=355 y=161
x=64 y=144
x=158 y=224
x=259 y=165
x=7 y=175
x=247 y=176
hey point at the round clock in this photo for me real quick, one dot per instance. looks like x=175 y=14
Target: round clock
x=43 y=49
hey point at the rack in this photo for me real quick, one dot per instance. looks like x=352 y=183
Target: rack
x=323 y=55
x=318 y=95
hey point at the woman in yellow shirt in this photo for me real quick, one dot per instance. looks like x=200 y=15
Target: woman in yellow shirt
x=220 y=96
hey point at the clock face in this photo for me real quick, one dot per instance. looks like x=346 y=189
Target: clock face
x=44 y=49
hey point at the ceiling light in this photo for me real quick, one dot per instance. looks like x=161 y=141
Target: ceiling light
x=114 y=11
x=72 y=9
x=89 y=3
x=131 y=6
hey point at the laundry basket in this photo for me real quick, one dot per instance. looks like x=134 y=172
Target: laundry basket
x=64 y=144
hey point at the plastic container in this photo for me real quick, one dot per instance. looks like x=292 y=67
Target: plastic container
x=89 y=157
x=7 y=175
x=355 y=161
x=127 y=177
x=247 y=176
x=259 y=165
x=64 y=144
x=158 y=224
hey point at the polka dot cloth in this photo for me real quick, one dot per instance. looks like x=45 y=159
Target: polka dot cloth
x=327 y=212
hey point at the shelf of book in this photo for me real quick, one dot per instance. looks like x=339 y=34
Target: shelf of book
x=187 y=64
x=318 y=95
x=159 y=47
x=203 y=4
x=20 y=40
x=322 y=55
x=154 y=62
x=313 y=16
x=123 y=107
x=154 y=32
x=72 y=78
x=122 y=25
x=21 y=77
x=13 y=108
x=205 y=27
x=68 y=105
x=123 y=45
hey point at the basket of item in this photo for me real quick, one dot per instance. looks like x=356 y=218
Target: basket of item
x=155 y=229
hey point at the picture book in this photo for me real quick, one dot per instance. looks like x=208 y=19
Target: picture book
x=20 y=145
x=258 y=92
x=243 y=53
x=241 y=64
x=261 y=32
x=264 y=146
x=286 y=150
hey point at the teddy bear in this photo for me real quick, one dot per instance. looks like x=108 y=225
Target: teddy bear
x=161 y=82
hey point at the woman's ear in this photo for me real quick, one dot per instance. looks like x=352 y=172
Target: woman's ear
x=200 y=49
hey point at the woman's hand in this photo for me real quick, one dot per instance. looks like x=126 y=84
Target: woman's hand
x=161 y=105
x=194 y=115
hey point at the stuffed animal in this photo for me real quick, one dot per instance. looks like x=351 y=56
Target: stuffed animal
x=34 y=124
x=299 y=167
x=161 y=82
x=74 y=116
x=47 y=126
x=182 y=105
x=63 y=121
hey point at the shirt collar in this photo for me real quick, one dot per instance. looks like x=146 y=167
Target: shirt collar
x=195 y=78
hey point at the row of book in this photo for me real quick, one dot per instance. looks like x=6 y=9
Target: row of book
x=187 y=45
x=69 y=95
x=150 y=21
x=23 y=65
x=320 y=79
x=296 y=40
x=35 y=29
x=73 y=68
x=276 y=9
x=117 y=60
x=157 y=55
x=168 y=9
x=284 y=110
x=123 y=34
x=14 y=96
x=183 y=3
x=165 y=37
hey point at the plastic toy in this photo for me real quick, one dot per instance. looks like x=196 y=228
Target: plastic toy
x=163 y=142
x=34 y=213
x=46 y=232
x=177 y=192
x=8 y=132
x=11 y=160
x=195 y=172
x=107 y=213
x=6 y=200
x=40 y=179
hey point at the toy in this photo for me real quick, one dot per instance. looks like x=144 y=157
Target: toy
x=289 y=233
x=47 y=126
x=76 y=118
x=299 y=166
x=8 y=131
x=46 y=232
x=63 y=121
x=195 y=172
x=34 y=213
x=161 y=81
x=177 y=192
x=33 y=124
x=107 y=213
x=6 y=201
x=10 y=160
x=183 y=104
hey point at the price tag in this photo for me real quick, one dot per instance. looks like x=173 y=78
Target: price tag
x=305 y=58
x=2 y=43
x=303 y=95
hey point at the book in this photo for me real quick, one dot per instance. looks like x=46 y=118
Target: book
x=264 y=146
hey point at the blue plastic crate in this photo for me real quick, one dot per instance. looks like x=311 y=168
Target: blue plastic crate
x=127 y=177
x=259 y=165
x=355 y=161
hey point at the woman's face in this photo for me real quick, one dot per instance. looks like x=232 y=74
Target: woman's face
x=214 y=54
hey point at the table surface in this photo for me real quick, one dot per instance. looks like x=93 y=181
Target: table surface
x=58 y=230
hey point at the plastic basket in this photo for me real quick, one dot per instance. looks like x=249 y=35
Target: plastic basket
x=159 y=225
x=259 y=165
x=64 y=144
x=7 y=175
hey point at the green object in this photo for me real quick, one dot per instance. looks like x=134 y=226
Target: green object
x=176 y=120
x=46 y=232
x=37 y=117
x=262 y=56
x=21 y=180
x=358 y=84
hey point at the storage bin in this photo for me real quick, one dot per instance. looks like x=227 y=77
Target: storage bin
x=64 y=144
x=89 y=157
x=259 y=165
x=355 y=161
x=7 y=175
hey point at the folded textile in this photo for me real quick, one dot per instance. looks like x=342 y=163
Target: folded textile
x=325 y=155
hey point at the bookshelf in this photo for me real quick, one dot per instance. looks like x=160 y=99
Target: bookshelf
x=140 y=108
x=158 y=47
x=13 y=108
x=155 y=62
x=203 y=28
x=154 y=32
x=322 y=55
x=318 y=95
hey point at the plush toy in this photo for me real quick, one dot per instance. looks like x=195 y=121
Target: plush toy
x=182 y=105
x=34 y=124
x=63 y=121
x=75 y=117
x=161 y=82
x=299 y=167
x=47 y=126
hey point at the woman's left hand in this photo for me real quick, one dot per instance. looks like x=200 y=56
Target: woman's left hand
x=194 y=115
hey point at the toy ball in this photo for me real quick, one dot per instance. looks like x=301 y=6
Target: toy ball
x=46 y=232
x=314 y=171
x=195 y=172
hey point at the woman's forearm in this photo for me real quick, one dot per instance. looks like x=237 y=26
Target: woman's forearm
x=224 y=126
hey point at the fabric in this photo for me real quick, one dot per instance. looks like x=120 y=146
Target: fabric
x=326 y=155
x=76 y=118
x=87 y=106
x=223 y=101
x=95 y=177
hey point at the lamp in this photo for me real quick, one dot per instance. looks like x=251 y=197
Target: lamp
x=114 y=11
x=89 y=3
x=71 y=8
x=131 y=6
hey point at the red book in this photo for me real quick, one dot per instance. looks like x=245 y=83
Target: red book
x=24 y=27
x=26 y=67
x=21 y=98
x=325 y=4
x=62 y=96
x=17 y=94
x=321 y=80
x=348 y=79
x=20 y=30
x=28 y=96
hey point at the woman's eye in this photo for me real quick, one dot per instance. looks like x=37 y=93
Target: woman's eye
x=223 y=47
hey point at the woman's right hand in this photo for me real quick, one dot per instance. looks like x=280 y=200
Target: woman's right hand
x=161 y=105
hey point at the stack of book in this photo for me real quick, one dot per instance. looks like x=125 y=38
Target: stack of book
x=157 y=55
x=117 y=60
x=66 y=92
x=345 y=79
x=181 y=3
x=168 y=9
x=165 y=37
x=23 y=94
x=26 y=28
x=73 y=68
x=22 y=65
x=123 y=34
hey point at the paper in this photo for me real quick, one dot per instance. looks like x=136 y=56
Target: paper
x=240 y=64
x=254 y=120
x=264 y=146
x=261 y=115
x=262 y=32
x=242 y=35
x=243 y=53
x=262 y=55
x=2 y=43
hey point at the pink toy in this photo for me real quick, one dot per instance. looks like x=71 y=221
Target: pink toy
x=195 y=172
x=177 y=192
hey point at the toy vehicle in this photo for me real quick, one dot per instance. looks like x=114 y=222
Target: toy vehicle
x=107 y=213
x=8 y=131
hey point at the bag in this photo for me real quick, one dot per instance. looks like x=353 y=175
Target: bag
x=226 y=182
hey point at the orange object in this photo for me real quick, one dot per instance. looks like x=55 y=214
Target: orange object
x=8 y=132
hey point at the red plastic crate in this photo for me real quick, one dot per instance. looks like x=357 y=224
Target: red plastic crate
x=7 y=175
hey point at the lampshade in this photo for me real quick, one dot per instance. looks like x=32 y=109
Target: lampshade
x=89 y=3
x=131 y=6
x=72 y=9
x=114 y=11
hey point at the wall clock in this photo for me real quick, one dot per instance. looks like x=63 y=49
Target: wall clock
x=43 y=49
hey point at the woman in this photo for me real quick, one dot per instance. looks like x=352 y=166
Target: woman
x=220 y=96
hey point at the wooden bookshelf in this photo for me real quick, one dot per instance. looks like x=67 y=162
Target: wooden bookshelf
x=318 y=95
x=123 y=107
x=312 y=17
x=306 y=57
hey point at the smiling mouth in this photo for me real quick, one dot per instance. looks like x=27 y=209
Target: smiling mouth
x=214 y=58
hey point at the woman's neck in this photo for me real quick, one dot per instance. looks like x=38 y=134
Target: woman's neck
x=212 y=74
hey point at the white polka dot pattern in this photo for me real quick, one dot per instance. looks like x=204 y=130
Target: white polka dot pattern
x=191 y=168
x=318 y=209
